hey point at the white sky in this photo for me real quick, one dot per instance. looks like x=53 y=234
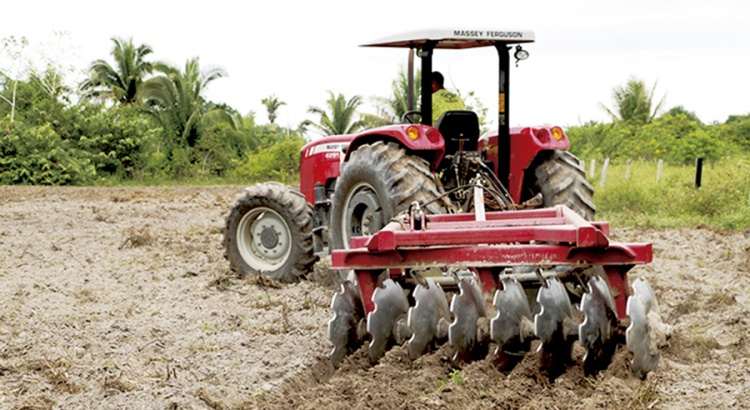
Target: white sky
x=698 y=51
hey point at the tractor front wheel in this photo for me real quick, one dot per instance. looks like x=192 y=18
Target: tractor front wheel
x=269 y=231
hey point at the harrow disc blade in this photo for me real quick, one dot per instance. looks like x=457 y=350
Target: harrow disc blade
x=423 y=319
x=510 y=328
x=554 y=325
x=595 y=333
x=342 y=328
x=643 y=311
x=467 y=307
x=390 y=305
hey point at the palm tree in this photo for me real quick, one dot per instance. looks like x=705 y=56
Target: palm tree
x=272 y=105
x=339 y=119
x=176 y=99
x=392 y=108
x=123 y=81
x=634 y=103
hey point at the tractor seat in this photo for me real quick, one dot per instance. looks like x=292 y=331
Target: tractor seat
x=457 y=127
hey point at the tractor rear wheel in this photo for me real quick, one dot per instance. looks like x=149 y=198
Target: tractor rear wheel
x=562 y=181
x=377 y=183
x=268 y=231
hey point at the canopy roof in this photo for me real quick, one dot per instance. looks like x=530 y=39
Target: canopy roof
x=455 y=38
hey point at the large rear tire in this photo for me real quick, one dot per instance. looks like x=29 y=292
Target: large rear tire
x=268 y=230
x=377 y=183
x=562 y=181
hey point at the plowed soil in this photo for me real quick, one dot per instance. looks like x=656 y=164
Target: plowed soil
x=121 y=298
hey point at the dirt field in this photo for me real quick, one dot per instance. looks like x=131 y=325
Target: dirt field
x=121 y=298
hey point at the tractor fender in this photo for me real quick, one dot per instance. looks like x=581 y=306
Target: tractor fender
x=320 y=160
x=320 y=163
x=526 y=143
x=427 y=143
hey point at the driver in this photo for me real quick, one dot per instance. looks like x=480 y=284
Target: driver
x=442 y=99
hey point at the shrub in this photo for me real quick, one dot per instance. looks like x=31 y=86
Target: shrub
x=38 y=156
x=279 y=162
x=114 y=138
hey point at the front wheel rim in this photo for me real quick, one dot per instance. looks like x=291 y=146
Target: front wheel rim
x=264 y=239
x=362 y=213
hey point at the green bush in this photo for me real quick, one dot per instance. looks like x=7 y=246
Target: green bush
x=737 y=130
x=590 y=140
x=37 y=155
x=114 y=138
x=220 y=147
x=279 y=162
x=675 y=138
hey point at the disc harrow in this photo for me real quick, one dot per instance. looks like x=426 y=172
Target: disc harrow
x=467 y=307
x=512 y=276
x=512 y=328
x=554 y=324
x=428 y=319
x=596 y=333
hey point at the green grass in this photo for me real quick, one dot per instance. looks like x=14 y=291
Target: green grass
x=722 y=202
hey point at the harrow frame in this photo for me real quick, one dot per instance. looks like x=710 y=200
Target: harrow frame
x=490 y=242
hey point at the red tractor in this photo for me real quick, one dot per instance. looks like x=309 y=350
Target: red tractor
x=432 y=207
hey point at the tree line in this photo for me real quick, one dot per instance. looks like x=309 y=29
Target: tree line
x=641 y=129
x=144 y=120
x=136 y=118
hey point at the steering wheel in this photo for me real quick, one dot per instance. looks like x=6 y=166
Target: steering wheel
x=407 y=116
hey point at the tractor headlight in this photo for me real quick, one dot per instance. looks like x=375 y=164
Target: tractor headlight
x=520 y=54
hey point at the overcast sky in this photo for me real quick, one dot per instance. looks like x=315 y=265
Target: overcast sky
x=697 y=51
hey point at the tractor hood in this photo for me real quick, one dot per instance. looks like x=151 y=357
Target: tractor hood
x=455 y=38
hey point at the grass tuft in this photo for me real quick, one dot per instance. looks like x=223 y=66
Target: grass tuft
x=138 y=237
x=720 y=298
x=646 y=397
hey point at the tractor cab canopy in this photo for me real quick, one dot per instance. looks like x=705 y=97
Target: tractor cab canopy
x=458 y=39
x=454 y=38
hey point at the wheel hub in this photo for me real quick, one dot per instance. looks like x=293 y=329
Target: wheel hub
x=364 y=216
x=269 y=238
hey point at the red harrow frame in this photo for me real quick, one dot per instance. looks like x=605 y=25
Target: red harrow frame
x=544 y=237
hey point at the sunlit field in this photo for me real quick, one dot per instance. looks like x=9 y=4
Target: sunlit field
x=722 y=201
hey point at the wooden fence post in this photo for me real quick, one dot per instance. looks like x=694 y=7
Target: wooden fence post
x=604 y=172
x=627 y=172
x=698 y=172
x=591 y=169
x=659 y=166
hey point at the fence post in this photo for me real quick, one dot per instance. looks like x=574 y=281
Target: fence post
x=604 y=172
x=627 y=172
x=591 y=170
x=698 y=172
x=658 y=170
